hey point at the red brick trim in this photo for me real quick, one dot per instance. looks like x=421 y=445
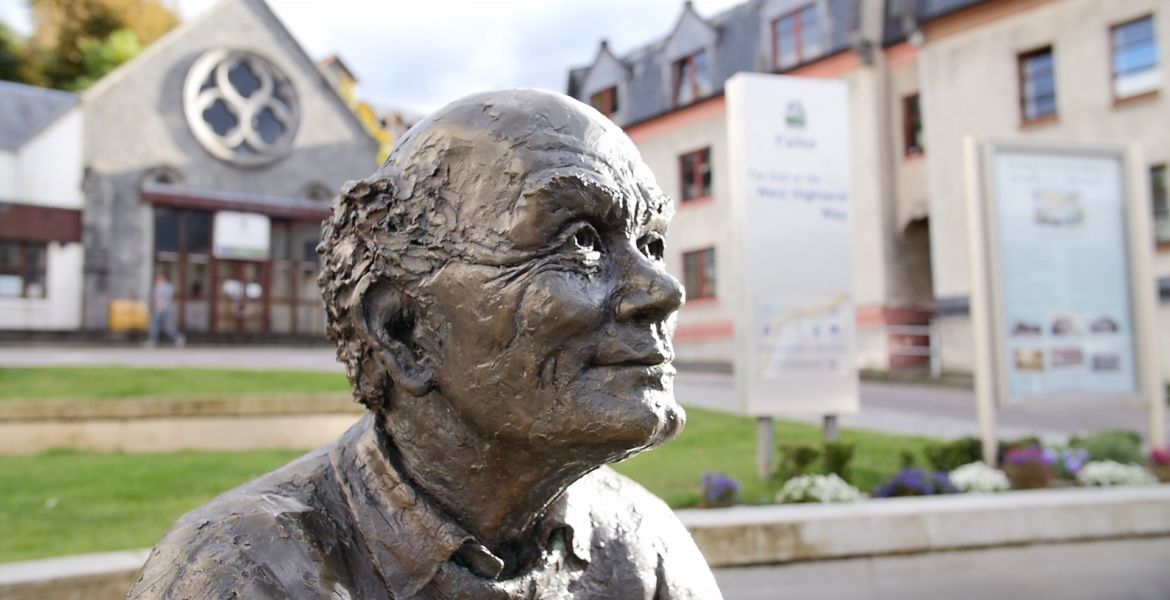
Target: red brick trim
x=32 y=223
x=704 y=332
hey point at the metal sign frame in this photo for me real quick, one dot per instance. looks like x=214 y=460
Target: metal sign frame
x=987 y=299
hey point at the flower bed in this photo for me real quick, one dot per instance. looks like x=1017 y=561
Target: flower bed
x=812 y=474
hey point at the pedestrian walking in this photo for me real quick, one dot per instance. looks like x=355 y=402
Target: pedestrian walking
x=162 y=315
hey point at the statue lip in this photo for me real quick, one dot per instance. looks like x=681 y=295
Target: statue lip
x=624 y=355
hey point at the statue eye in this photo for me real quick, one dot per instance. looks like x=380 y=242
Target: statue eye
x=585 y=240
x=653 y=246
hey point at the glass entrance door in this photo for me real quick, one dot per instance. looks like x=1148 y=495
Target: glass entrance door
x=240 y=297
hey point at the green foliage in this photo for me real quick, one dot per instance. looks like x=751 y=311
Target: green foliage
x=1117 y=445
x=76 y=42
x=1021 y=442
x=61 y=29
x=907 y=460
x=837 y=456
x=801 y=459
x=796 y=460
x=12 y=55
x=101 y=57
x=948 y=456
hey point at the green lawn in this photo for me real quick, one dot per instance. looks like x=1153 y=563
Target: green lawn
x=66 y=502
x=724 y=443
x=93 y=383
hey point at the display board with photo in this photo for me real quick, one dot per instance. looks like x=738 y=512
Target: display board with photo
x=1063 y=277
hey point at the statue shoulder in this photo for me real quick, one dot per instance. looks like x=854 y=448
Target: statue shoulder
x=617 y=497
x=245 y=544
x=627 y=516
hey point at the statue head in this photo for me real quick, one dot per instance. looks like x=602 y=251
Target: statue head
x=506 y=262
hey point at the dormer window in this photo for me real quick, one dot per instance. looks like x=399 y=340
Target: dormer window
x=692 y=78
x=605 y=101
x=796 y=38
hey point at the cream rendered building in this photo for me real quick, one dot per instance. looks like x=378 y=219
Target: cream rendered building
x=969 y=68
x=840 y=39
x=921 y=75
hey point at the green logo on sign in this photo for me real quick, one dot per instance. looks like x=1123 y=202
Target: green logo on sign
x=794 y=114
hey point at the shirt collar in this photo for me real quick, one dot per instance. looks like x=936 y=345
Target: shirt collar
x=408 y=537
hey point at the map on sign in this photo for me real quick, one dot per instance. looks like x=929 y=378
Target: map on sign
x=791 y=212
x=809 y=340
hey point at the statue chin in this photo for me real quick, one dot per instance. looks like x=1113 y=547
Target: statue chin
x=655 y=419
x=670 y=417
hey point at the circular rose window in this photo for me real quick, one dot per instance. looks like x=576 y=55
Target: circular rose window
x=240 y=107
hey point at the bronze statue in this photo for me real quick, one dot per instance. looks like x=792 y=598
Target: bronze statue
x=498 y=295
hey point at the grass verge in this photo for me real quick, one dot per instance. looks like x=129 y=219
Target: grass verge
x=97 y=383
x=66 y=502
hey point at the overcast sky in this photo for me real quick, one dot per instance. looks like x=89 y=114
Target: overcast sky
x=421 y=54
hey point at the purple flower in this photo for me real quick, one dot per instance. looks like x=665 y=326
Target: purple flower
x=915 y=482
x=1074 y=460
x=719 y=489
x=1030 y=455
x=1160 y=457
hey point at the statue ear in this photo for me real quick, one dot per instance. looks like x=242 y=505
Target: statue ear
x=387 y=323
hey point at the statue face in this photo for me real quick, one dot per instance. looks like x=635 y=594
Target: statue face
x=554 y=328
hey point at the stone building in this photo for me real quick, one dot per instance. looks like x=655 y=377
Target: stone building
x=212 y=158
x=921 y=74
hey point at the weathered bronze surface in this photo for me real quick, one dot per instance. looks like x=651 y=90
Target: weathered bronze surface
x=498 y=295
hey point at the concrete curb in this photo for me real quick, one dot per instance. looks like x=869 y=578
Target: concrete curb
x=768 y=535
x=774 y=535
x=89 y=576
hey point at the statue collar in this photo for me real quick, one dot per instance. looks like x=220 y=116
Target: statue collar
x=408 y=537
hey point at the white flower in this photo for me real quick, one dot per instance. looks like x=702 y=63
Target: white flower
x=1107 y=472
x=979 y=478
x=817 y=488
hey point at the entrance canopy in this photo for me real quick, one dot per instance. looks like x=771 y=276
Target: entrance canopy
x=241 y=264
x=299 y=209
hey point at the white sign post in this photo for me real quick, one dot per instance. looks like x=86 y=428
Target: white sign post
x=1061 y=246
x=792 y=244
x=242 y=236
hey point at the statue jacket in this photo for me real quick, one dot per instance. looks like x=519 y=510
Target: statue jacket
x=343 y=523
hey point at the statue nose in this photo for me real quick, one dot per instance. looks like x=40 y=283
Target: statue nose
x=649 y=294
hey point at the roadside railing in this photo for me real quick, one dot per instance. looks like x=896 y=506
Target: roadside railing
x=908 y=346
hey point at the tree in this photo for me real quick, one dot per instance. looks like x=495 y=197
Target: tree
x=101 y=57
x=76 y=42
x=12 y=55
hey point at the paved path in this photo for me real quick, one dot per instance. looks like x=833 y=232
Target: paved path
x=932 y=411
x=926 y=410
x=1129 y=569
